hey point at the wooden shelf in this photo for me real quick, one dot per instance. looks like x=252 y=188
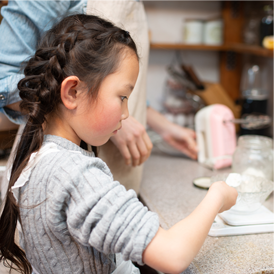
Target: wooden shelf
x=236 y=47
x=185 y=46
x=254 y=50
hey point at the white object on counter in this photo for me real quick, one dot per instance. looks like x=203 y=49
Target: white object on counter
x=202 y=182
x=234 y=179
x=227 y=224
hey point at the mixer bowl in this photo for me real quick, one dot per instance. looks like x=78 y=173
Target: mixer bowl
x=252 y=192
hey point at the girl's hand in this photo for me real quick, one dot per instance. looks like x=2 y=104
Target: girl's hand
x=133 y=142
x=229 y=194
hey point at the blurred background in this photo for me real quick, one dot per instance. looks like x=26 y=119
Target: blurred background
x=208 y=52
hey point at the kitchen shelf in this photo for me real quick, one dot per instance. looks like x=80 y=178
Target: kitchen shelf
x=236 y=47
x=185 y=46
x=254 y=50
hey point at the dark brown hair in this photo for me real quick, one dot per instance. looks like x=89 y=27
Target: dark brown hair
x=82 y=45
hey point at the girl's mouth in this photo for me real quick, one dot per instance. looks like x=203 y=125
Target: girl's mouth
x=115 y=131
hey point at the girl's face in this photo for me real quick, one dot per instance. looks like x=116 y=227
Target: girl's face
x=97 y=120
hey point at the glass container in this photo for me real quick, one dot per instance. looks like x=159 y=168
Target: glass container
x=254 y=156
x=251 y=31
x=252 y=192
x=255 y=93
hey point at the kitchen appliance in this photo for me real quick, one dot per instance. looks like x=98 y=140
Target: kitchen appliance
x=216 y=139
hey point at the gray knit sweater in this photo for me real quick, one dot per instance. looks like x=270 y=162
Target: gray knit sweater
x=75 y=217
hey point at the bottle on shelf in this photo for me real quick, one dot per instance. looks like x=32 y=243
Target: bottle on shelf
x=266 y=25
x=255 y=96
x=251 y=28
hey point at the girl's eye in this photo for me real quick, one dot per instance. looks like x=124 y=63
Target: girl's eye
x=123 y=97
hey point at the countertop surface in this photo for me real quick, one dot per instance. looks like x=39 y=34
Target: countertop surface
x=167 y=189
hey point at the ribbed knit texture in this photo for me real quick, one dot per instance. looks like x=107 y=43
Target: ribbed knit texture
x=75 y=217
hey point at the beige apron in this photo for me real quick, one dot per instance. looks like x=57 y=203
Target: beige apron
x=128 y=15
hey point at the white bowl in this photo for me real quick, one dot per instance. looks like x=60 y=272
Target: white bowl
x=252 y=192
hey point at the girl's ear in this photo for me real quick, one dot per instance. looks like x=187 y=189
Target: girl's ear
x=68 y=92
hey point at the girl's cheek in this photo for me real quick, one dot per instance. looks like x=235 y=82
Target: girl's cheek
x=105 y=120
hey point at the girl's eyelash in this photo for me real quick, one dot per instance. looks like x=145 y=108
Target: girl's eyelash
x=123 y=97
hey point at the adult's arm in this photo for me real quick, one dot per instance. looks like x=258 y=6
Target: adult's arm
x=23 y=24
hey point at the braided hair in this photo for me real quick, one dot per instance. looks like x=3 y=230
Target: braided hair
x=82 y=45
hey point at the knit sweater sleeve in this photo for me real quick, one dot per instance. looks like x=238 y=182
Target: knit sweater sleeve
x=97 y=211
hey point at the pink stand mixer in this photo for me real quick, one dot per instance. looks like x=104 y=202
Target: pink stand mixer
x=216 y=138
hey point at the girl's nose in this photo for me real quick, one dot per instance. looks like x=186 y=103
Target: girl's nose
x=125 y=113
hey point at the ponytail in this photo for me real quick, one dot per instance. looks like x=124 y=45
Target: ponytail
x=11 y=253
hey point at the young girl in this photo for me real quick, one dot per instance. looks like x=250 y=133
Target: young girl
x=73 y=218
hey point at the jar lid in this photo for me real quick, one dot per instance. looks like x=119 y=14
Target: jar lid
x=255 y=141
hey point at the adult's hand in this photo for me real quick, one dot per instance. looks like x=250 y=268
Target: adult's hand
x=133 y=142
x=181 y=138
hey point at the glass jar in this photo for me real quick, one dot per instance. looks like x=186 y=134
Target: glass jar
x=254 y=156
x=251 y=29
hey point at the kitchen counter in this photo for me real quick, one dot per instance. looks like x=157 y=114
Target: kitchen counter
x=167 y=189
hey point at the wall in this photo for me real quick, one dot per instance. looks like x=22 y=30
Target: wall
x=166 y=23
